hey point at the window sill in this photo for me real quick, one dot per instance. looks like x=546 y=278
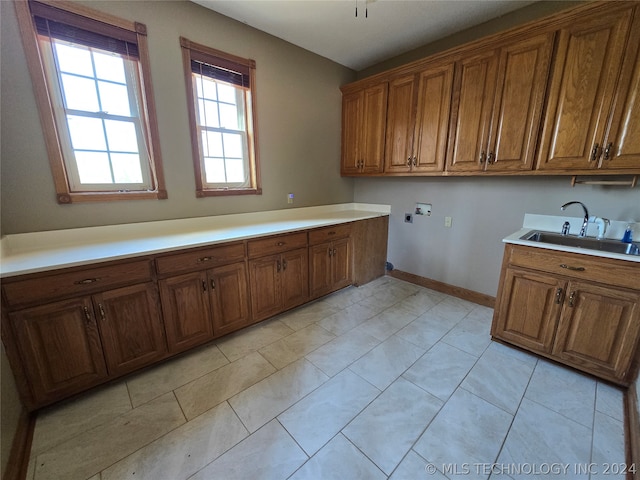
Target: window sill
x=68 y=198
x=228 y=191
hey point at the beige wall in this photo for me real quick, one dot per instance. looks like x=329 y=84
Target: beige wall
x=299 y=107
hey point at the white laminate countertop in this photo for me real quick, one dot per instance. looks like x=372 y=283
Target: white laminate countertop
x=552 y=223
x=41 y=251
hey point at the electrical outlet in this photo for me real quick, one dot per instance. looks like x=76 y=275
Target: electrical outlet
x=289 y=197
x=408 y=218
x=447 y=222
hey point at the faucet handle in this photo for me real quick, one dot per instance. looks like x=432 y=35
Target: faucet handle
x=565 y=228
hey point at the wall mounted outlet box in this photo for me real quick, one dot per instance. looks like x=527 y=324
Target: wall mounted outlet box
x=447 y=221
x=290 y=198
x=423 y=209
x=408 y=218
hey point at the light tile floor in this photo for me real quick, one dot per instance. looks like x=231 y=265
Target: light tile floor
x=386 y=381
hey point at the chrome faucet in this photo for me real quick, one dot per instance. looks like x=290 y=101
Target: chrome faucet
x=583 y=229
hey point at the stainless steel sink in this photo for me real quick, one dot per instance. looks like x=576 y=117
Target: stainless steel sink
x=612 y=246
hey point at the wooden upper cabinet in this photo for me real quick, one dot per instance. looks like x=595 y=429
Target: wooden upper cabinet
x=400 y=120
x=418 y=121
x=583 y=85
x=498 y=98
x=523 y=71
x=473 y=90
x=363 y=130
x=622 y=144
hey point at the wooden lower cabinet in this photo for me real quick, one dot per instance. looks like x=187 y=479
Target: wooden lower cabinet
x=228 y=297
x=599 y=328
x=329 y=267
x=278 y=283
x=60 y=348
x=71 y=345
x=530 y=305
x=574 y=318
x=200 y=305
x=186 y=311
x=130 y=327
x=67 y=331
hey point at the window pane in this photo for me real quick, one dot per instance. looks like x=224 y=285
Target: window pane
x=208 y=112
x=114 y=99
x=121 y=136
x=86 y=133
x=109 y=67
x=232 y=145
x=74 y=59
x=212 y=144
x=80 y=93
x=126 y=168
x=214 y=170
x=226 y=93
x=205 y=87
x=235 y=170
x=93 y=167
x=229 y=117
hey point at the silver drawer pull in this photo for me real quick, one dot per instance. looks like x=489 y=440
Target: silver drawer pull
x=280 y=244
x=204 y=259
x=86 y=281
x=569 y=267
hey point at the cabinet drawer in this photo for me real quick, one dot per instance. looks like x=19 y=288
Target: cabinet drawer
x=327 y=234
x=80 y=282
x=597 y=269
x=276 y=244
x=200 y=259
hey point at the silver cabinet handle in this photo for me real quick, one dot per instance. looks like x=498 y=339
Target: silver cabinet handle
x=594 y=153
x=87 y=281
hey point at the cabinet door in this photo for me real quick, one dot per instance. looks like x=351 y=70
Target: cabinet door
x=586 y=70
x=341 y=264
x=187 y=314
x=432 y=119
x=295 y=278
x=264 y=281
x=622 y=145
x=130 y=326
x=320 y=269
x=373 y=133
x=229 y=300
x=352 y=120
x=528 y=310
x=522 y=80
x=598 y=329
x=473 y=100
x=61 y=346
x=400 y=123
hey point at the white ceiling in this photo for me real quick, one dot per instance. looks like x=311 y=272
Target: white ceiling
x=330 y=27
